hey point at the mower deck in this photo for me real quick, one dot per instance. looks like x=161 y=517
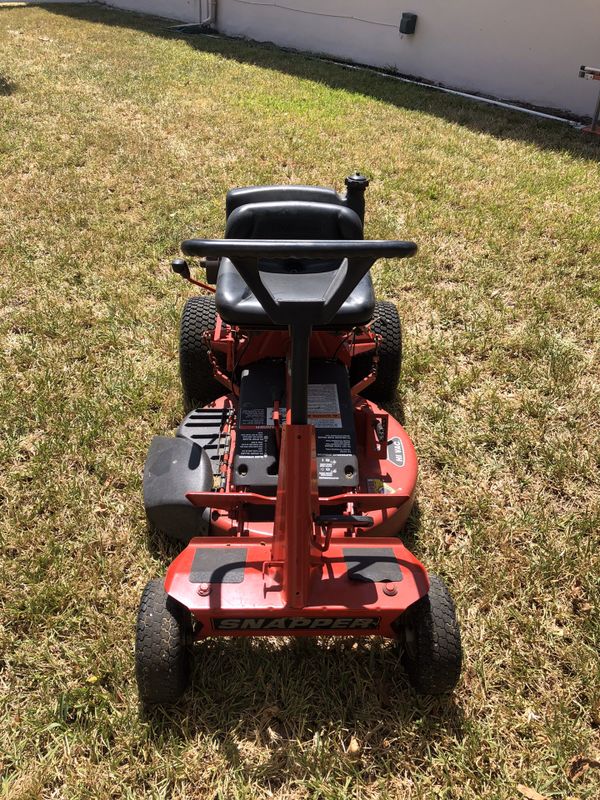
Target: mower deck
x=387 y=466
x=233 y=581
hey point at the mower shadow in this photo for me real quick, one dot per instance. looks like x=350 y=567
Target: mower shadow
x=412 y=529
x=281 y=694
x=161 y=546
x=477 y=117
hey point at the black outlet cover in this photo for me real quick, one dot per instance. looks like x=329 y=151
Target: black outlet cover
x=408 y=23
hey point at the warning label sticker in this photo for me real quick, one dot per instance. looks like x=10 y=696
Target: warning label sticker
x=252 y=416
x=339 y=444
x=252 y=444
x=325 y=422
x=323 y=410
x=328 y=468
x=324 y=406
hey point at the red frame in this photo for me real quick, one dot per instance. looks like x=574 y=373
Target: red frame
x=296 y=581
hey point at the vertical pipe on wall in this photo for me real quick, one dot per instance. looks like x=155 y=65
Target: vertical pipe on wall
x=211 y=19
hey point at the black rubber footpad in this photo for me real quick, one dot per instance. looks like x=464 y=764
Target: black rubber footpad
x=372 y=564
x=219 y=565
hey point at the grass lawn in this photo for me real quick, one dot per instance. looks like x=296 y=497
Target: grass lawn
x=117 y=140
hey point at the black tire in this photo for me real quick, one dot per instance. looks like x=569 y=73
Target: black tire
x=162 y=655
x=432 y=652
x=386 y=322
x=197 y=380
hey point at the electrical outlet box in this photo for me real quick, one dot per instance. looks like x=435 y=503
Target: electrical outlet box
x=408 y=23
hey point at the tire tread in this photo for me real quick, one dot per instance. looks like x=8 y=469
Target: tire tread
x=162 y=659
x=198 y=383
x=386 y=323
x=436 y=665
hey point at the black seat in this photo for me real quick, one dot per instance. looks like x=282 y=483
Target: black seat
x=295 y=220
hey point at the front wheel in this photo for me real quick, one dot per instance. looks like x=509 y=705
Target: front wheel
x=162 y=656
x=430 y=637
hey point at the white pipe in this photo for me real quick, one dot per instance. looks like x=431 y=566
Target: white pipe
x=212 y=14
x=209 y=21
x=456 y=92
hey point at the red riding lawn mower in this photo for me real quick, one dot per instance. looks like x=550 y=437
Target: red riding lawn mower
x=286 y=480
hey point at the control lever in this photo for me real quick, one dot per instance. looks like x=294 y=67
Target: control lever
x=344 y=521
x=181 y=267
x=327 y=522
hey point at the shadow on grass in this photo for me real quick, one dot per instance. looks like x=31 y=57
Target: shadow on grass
x=495 y=122
x=410 y=534
x=6 y=87
x=300 y=696
x=161 y=546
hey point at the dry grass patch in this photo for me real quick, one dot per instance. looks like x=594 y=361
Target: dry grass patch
x=118 y=140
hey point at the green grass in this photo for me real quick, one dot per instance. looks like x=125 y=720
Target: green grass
x=117 y=141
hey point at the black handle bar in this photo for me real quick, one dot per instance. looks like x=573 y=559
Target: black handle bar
x=303 y=298
x=282 y=248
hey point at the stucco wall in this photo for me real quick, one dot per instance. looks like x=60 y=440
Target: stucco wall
x=184 y=10
x=527 y=50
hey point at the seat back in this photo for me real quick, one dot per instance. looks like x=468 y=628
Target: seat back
x=290 y=288
x=293 y=219
x=280 y=194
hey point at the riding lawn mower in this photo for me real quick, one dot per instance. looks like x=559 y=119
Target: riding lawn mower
x=288 y=483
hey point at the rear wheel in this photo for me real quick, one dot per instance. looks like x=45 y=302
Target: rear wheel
x=197 y=378
x=430 y=635
x=386 y=323
x=162 y=656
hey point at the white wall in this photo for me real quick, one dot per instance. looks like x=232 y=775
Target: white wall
x=184 y=10
x=524 y=50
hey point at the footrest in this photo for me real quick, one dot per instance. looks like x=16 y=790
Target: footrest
x=219 y=565
x=372 y=564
